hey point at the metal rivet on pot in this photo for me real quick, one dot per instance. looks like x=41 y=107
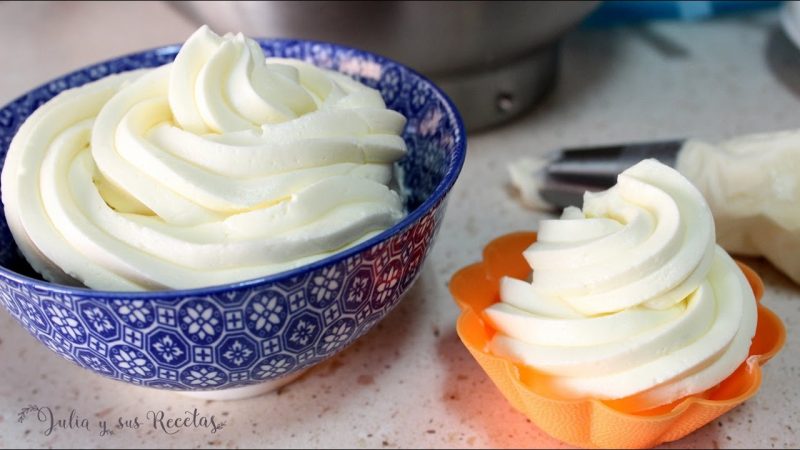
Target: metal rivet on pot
x=505 y=102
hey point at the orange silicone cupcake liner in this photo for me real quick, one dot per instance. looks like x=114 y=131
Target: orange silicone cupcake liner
x=591 y=422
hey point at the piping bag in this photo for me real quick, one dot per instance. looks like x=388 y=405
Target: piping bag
x=751 y=183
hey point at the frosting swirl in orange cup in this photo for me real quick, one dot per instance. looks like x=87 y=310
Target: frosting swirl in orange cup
x=630 y=296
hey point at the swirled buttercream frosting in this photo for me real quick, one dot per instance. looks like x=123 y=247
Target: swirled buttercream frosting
x=629 y=296
x=219 y=167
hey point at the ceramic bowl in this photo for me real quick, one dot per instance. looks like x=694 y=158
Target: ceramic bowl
x=244 y=338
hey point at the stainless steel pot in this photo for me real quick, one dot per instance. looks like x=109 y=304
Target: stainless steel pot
x=495 y=58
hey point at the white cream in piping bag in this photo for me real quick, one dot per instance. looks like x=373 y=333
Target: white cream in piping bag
x=629 y=296
x=219 y=167
x=751 y=183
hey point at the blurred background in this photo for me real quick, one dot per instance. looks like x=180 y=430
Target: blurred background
x=495 y=59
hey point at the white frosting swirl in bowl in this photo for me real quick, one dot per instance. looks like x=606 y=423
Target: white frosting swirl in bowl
x=220 y=167
x=630 y=296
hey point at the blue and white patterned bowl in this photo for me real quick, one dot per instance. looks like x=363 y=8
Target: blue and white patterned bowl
x=244 y=337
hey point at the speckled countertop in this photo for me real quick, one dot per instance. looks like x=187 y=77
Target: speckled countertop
x=410 y=383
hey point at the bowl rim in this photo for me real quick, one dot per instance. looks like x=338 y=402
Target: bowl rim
x=454 y=165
